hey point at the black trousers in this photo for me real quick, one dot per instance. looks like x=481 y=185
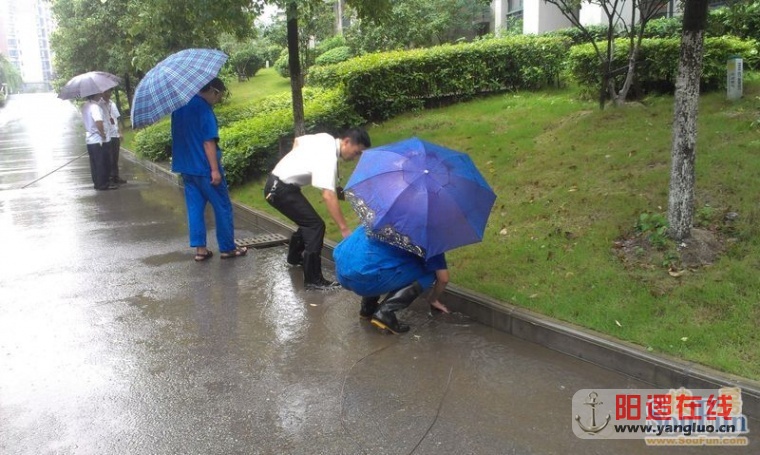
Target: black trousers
x=290 y=201
x=100 y=165
x=114 y=146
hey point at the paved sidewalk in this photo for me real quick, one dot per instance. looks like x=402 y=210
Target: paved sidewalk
x=114 y=341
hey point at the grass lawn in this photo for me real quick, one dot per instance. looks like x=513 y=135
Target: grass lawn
x=570 y=181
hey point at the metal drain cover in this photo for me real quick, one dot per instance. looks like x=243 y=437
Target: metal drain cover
x=262 y=241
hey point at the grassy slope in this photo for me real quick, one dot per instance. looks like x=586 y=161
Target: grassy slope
x=570 y=180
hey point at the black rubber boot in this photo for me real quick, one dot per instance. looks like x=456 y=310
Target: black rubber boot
x=312 y=274
x=385 y=316
x=295 y=249
x=369 y=306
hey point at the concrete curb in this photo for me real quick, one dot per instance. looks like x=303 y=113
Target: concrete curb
x=661 y=371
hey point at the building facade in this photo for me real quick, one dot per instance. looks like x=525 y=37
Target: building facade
x=25 y=28
x=538 y=16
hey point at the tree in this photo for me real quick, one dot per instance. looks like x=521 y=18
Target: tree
x=374 y=9
x=9 y=75
x=419 y=23
x=128 y=37
x=642 y=11
x=683 y=154
x=157 y=28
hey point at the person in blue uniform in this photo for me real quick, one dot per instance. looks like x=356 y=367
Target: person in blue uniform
x=371 y=268
x=197 y=157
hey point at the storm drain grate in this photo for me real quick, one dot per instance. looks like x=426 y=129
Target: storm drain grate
x=262 y=241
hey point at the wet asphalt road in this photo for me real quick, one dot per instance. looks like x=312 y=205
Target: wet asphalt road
x=113 y=341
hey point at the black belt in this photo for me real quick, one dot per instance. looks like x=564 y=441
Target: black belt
x=277 y=184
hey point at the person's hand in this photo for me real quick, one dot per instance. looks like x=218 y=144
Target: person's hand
x=439 y=306
x=216 y=178
x=345 y=232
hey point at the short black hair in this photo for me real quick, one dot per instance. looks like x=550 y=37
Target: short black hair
x=358 y=136
x=214 y=83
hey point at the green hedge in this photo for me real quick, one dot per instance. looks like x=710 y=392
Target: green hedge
x=381 y=85
x=154 y=142
x=250 y=137
x=334 y=55
x=657 y=65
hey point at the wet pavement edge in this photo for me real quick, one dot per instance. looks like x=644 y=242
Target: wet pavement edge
x=613 y=354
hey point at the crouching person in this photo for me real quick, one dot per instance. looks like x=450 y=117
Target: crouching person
x=371 y=268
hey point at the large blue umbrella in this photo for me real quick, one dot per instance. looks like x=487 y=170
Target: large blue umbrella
x=420 y=196
x=173 y=82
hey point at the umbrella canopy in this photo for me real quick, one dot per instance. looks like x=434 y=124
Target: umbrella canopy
x=420 y=196
x=87 y=84
x=173 y=82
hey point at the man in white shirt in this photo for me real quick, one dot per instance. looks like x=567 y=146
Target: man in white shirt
x=111 y=123
x=96 y=138
x=312 y=161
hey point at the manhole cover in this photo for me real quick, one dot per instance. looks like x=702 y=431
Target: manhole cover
x=262 y=241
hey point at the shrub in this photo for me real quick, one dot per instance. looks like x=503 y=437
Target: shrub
x=383 y=84
x=154 y=142
x=664 y=27
x=741 y=19
x=250 y=140
x=246 y=62
x=598 y=32
x=331 y=43
x=271 y=53
x=281 y=65
x=657 y=65
x=334 y=55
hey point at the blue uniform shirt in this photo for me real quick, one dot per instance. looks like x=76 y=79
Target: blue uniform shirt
x=192 y=125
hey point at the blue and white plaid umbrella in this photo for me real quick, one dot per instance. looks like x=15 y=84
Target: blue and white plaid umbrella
x=173 y=82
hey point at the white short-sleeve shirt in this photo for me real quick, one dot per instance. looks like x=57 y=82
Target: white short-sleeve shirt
x=313 y=161
x=91 y=113
x=111 y=121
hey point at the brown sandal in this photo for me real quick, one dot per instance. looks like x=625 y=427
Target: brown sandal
x=200 y=257
x=236 y=253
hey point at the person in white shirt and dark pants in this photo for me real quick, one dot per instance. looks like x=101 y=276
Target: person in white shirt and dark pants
x=312 y=161
x=111 y=123
x=96 y=138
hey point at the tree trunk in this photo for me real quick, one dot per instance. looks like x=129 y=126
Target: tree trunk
x=683 y=154
x=621 y=96
x=294 y=62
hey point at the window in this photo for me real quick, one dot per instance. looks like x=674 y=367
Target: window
x=514 y=14
x=514 y=7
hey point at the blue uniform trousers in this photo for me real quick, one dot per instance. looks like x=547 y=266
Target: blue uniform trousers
x=198 y=192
